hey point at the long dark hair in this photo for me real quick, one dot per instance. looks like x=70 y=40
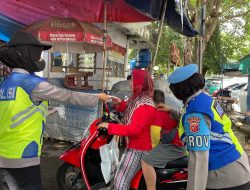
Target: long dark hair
x=183 y=90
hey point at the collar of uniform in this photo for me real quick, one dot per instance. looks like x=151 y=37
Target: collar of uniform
x=191 y=97
x=19 y=70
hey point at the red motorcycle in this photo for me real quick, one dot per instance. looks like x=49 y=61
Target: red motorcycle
x=81 y=168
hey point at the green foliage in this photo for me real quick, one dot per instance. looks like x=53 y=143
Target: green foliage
x=132 y=54
x=235 y=38
x=213 y=55
x=235 y=29
x=168 y=36
x=163 y=57
x=233 y=18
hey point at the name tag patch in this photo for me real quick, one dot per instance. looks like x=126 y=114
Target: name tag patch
x=8 y=93
x=218 y=109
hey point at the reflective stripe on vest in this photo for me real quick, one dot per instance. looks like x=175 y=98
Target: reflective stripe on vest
x=29 y=114
x=221 y=137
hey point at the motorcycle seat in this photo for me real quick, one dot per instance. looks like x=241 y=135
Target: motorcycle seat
x=178 y=163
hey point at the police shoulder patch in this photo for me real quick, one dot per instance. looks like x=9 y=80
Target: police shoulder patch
x=194 y=124
x=197 y=132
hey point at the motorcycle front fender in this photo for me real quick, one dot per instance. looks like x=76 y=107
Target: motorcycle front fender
x=71 y=157
x=136 y=180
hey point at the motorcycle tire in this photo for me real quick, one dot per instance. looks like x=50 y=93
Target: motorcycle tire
x=65 y=178
x=142 y=186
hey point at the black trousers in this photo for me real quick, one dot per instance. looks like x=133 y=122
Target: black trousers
x=20 y=178
x=241 y=187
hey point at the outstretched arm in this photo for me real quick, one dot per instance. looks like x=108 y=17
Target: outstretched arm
x=141 y=118
x=47 y=91
x=164 y=107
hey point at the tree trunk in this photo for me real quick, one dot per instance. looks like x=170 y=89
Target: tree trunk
x=188 y=53
x=212 y=18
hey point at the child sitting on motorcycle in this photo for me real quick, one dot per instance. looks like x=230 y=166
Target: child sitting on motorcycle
x=138 y=117
x=164 y=133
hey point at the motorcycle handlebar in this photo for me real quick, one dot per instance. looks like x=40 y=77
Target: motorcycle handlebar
x=106 y=108
x=103 y=131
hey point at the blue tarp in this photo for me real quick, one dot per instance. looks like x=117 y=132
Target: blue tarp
x=8 y=27
x=173 y=17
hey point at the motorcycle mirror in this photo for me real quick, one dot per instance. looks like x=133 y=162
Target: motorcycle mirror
x=103 y=131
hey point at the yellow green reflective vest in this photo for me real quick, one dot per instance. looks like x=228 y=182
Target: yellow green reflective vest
x=224 y=147
x=21 y=121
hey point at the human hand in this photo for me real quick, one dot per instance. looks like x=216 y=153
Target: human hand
x=163 y=107
x=103 y=97
x=103 y=125
x=115 y=100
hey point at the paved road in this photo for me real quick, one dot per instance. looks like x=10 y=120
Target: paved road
x=52 y=149
x=50 y=162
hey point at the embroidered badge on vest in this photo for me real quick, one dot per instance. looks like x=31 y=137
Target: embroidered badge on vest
x=194 y=124
x=8 y=93
x=218 y=109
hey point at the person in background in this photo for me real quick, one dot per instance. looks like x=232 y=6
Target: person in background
x=138 y=116
x=23 y=109
x=216 y=158
x=167 y=145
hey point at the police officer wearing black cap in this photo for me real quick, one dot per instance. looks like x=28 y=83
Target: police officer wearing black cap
x=23 y=109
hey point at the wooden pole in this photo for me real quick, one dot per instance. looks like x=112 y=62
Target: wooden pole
x=104 y=63
x=159 y=35
x=202 y=32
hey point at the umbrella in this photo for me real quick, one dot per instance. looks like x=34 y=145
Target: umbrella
x=69 y=35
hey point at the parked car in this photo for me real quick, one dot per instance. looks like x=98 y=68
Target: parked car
x=209 y=83
x=235 y=92
x=241 y=105
x=212 y=86
x=243 y=99
x=225 y=91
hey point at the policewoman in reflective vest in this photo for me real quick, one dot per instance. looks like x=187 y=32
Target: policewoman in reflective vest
x=23 y=109
x=216 y=158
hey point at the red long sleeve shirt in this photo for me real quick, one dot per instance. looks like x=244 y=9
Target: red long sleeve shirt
x=163 y=120
x=138 y=131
